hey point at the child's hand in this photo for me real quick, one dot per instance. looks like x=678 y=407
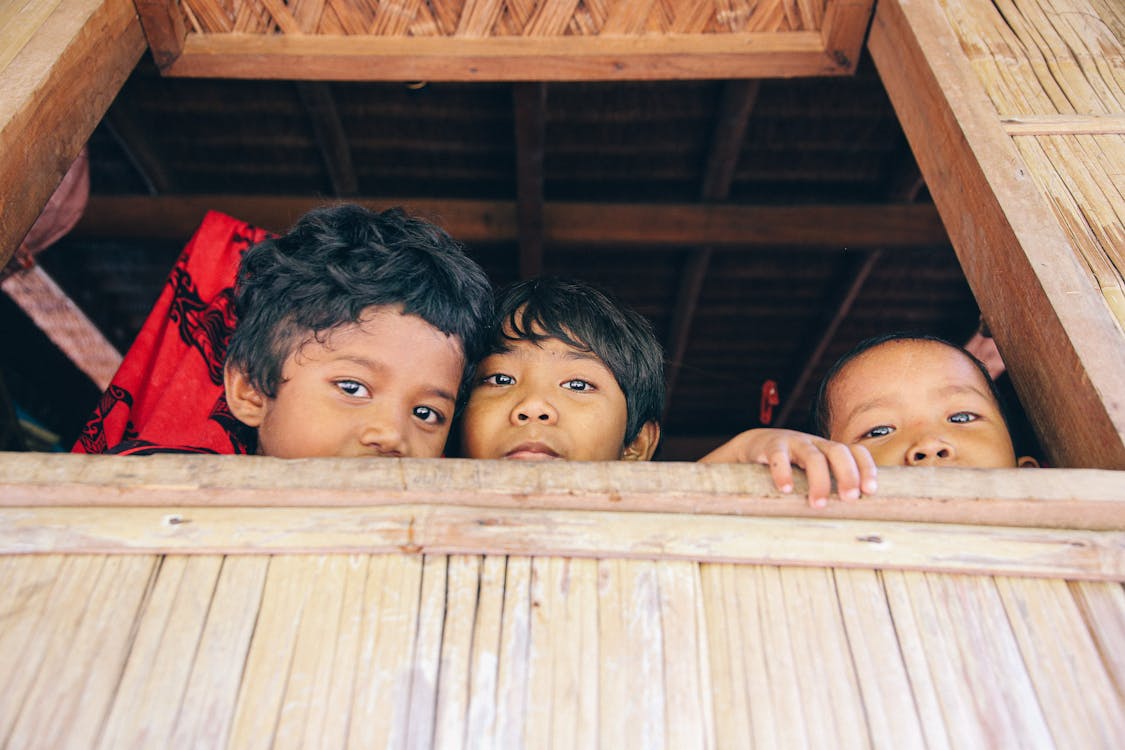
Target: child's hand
x=822 y=459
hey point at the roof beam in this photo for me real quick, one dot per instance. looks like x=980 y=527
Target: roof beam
x=53 y=92
x=771 y=54
x=530 y=103
x=735 y=105
x=320 y=106
x=1052 y=325
x=722 y=227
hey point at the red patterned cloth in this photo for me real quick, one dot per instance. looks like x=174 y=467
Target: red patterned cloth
x=168 y=393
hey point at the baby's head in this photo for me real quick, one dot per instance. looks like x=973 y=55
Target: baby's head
x=573 y=374
x=915 y=401
x=356 y=333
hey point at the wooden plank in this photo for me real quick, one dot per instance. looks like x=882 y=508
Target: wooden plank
x=165 y=30
x=1024 y=125
x=64 y=322
x=506 y=58
x=53 y=92
x=207 y=711
x=147 y=699
x=1063 y=662
x=891 y=710
x=485 y=667
x=1030 y=270
x=85 y=655
x=454 y=692
x=1089 y=555
x=421 y=683
x=512 y=684
x=1103 y=607
x=1073 y=498
x=724 y=227
x=729 y=672
x=845 y=23
x=690 y=719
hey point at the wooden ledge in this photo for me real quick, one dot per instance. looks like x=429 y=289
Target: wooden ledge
x=1053 y=523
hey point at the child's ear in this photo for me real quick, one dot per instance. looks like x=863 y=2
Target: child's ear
x=1027 y=462
x=246 y=402
x=644 y=444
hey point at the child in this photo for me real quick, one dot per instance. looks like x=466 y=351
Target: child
x=916 y=401
x=572 y=375
x=356 y=332
x=576 y=375
x=355 y=335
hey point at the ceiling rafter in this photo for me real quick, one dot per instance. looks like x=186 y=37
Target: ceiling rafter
x=530 y=103
x=320 y=106
x=735 y=106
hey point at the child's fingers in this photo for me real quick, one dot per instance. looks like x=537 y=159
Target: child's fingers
x=781 y=468
x=868 y=474
x=810 y=458
x=844 y=468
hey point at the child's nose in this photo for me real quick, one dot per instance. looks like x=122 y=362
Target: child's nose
x=385 y=435
x=930 y=450
x=534 y=408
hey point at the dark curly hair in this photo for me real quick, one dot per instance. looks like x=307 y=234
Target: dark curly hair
x=590 y=320
x=336 y=262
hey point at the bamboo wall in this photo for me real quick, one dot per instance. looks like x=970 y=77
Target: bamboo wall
x=694 y=606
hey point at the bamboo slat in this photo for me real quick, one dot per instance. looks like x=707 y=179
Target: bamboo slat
x=646 y=653
x=1051 y=58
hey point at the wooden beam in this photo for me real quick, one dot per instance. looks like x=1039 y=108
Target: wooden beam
x=1023 y=522
x=1089 y=499
x=164 y=28
x=735 y=105
x=723 y=227
x=320 y=106
x=55 y=313
x=847 y=285
x=53 y=92
x=139 y=150
x=530 y=104
x=1054 y=329
x=560 y=58
x=845 y=22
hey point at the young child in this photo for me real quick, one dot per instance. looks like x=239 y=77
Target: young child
x=356 y=332
x=574 y=374
x=916 y=401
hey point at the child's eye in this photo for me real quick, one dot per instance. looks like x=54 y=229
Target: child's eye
x=428 y=415
x=876 y=432
x=963 y=417
x=498 y=378
x=353 y=388
x=578 y=385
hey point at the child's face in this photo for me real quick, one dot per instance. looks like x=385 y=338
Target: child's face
x=386 y=386
x=545 y=400
x=918 y=403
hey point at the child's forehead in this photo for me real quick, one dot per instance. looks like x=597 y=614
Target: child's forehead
x=901 y=361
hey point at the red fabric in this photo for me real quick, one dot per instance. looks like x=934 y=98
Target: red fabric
x=169 y=389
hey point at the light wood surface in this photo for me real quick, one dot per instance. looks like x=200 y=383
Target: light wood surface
x=1035 y=284
x=62 y=71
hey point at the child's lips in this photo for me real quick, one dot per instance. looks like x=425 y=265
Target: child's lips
x=531 y=452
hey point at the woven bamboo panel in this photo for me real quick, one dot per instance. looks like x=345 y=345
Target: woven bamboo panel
x=1055 y=71
x=496 y=18
x=507 y=651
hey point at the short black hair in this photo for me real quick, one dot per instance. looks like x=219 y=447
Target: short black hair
x=591 y=320
x=336 y=262
x=819 y=415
